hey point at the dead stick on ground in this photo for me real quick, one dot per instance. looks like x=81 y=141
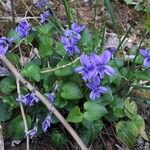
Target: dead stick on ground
x=49 y=106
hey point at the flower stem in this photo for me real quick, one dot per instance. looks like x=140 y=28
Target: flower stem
x=68 y=13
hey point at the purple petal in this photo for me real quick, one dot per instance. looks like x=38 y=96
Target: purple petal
x=64 y=40
x=84 y=59
x=101 y=74
x=95 y=59
x=94 y=94
x=96 y=81
x=147 y=62
x=109 y=70
x=90 y=86
x=103 y=89
x=105 y=57
x=144 y=52
x=77 y=28
x=79 y=69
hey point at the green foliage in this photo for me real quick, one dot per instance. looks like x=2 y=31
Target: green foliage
x=32 y=71
x=130 y=108
x=58 y=139
x=75 y=115
x=17 y=127
x=14 y=58
x=7 y=85
x=93 y=110
x=71 y=91
x=6 y=112
x=64 y=72
x=87 y=41
x=127 y=132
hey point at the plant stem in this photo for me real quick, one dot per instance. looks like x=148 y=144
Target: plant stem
x=23 y=114
x=68 y=13
x=49 y=105
x=61 y=67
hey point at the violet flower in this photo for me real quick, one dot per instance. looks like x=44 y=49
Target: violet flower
x=29 y=99
x=41 y=4
x=4 y=44
x=23 y=29
x=46 y=123
x=112 y=50
x=146 y=54
x=87 y=70
x=77 y=28
x=97 y=90
x=51 y=96
x=45 y=15
x=71 y=37
x=100 y=63
x=32 y=133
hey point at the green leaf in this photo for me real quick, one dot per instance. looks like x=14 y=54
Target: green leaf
x=60 y=102
x=7 y=85
x=130 y=108
x=140 y=124
x=75 y=115
x=13 y=58
x=127 y=133
x=17 y=127
x=71 y=91
x=64 y=72
x=6 y=112
x=96 y=128
x=93 y=110
x=32 y=72
x=45 y=45
x=46 y=29
x=87 y=41
x=128 y=1
x=10 y=100
x=58 y=139
x=59 y=48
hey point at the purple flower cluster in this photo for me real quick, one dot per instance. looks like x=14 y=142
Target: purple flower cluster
x=41 y=4
x=23 y=29
x=46 y=123
x=71 y=37
x=45 y=15
x=4 y=44
x=93 y=69
x=146 y=54
x=29 y=99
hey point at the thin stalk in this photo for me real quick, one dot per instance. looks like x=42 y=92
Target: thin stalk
x=61 y=67
x=23 y=114
x=68 y=13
